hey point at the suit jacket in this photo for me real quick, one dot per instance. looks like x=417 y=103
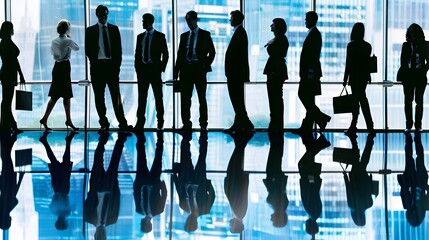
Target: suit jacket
x=204 y=48
x=357 y=62
x=276 y=63
x=237 y=57
x=158 y=51
x=9 y=55
x=423 y=51
x=310 y=54
x=91 y=43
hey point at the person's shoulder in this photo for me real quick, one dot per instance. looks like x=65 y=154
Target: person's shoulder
x=158 y=33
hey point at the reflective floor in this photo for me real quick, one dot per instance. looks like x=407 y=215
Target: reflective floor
x=213 y=186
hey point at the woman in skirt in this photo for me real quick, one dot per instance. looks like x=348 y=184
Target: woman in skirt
x=61 y=81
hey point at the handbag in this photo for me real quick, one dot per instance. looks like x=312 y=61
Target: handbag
x=23 y=157
x=401 y=74
x=24 y=99
x=372 y=64
x=344 y=103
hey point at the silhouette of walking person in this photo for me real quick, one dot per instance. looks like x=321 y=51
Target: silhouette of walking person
x=8 y=76
x=60 y=180
x=61 y=81
x=150 y=193
x=196 y=192
x=101 y=207
x=276 y=181
x=8 y=183
x=236 y=183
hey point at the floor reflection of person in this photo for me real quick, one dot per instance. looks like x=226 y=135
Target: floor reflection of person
x=413 y=182
x=8 y=184
x=236 y=183
x=196 y=192
x=101 y=207
x=150 y=193
x=60 y=180
x=276 y=181
x=359 y=184
x=310 y=181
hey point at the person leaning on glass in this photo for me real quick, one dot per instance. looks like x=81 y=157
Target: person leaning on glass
x=10 y=66
x=61 y=81
x=357 y=75
x=276 y=71
x=415 y=61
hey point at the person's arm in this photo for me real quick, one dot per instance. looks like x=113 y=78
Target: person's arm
x=346 y=69
x=21 y=75
x=164 y=51
x=72 y=44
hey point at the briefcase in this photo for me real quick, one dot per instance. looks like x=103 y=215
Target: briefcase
x=23 y=157
x=24 y=99
x=344 y=103
x=372 y=64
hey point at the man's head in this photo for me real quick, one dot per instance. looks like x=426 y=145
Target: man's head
x=102 y=12
x=191 y=19
x=311 y=19
x=236 y=18
x=148 y=20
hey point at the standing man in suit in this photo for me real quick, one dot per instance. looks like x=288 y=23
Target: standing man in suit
x=237 y=73
x=151 y=58
x=310 y=72
x=104 y=51
x=194 y=58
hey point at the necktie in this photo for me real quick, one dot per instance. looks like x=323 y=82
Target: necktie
x=146 y=48
x=106 y=43
x=191 y=46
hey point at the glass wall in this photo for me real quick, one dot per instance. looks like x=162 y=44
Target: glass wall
x=35 y=27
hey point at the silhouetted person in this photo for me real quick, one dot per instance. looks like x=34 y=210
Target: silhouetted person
x=8 y=183
x=237 y=72
x=61 y=87
x=276 y=181
x=236 y=183
x=104 y=50
x=357 y=75
x=101 y=207
x=310 y=181
x=359 y=184
x=8 y=76
x=60 y=180
x=151 y=57
x=276 y=71
x=150 y=193
x=194 y=58
x=310 y=73
x=413 y=182
x=415 y=61
x=196 y=192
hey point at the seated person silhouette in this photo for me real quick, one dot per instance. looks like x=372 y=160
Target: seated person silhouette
x=413 y=182
x=359 y=184
x=150 y=193
x=8 y=184
x=60 y=180
x=196 y=192
x=101 y=207
x=276 y=181
x=310 y=181
x=236 y=183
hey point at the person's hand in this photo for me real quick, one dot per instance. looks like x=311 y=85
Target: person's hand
x=310 y=74
x=22 y=79
x=344 y=83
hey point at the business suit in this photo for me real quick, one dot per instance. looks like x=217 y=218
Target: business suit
x=105 y=71
x=8 y=75
x=310 y=72
x=237 y=73
x=358 y=76
x=149 y=73
x=415 y=82
x=194 y=72
x=276 y=71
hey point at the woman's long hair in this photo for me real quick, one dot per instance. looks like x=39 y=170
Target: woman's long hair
x=6 y=30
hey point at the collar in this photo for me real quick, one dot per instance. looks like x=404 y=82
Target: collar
x=101 y=25
x=239 y=25
x=195 y=30
x=309 y=30
x=151 y=31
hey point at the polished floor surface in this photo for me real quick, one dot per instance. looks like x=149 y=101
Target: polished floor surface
x=213 y=186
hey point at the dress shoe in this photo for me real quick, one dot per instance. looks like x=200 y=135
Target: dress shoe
x=229 y=130
x=126 y=128
x=323 y=124
x=103 y=129
x=184 y=129
x=70 y=124
x=45 y=125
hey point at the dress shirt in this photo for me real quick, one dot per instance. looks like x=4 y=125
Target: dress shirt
x=101 y=53
x=194 y=54
x=61 y=48
x=149 y=59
